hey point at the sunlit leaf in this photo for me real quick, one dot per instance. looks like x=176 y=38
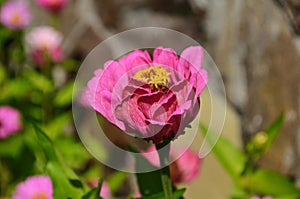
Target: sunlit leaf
x=77 y=156
x=61 y=175
x=231 y=157
x=39 y=81
x=64 y=96
x=263 y=140
x=55 y=127
x=16 y=88
x=268 y=182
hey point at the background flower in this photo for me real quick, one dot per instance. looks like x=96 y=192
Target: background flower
x=10 y=121
x=153 y=99
x=34 y=187
x=105 y=190
x=15 y=14
x=183 y=170
x=52 y=5
x=45 y=43
x=265 y=197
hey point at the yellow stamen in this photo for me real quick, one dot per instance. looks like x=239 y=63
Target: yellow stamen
x=16 y=18
x=40 y=195
x=156 y=76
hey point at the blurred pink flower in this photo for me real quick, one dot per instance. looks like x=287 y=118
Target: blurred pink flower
x=105 y=190
x=258 y=197
x=154 y=99
x=52 y=5
x=45 y=43
x=34 y=187
x=137 y=194
x=186 y=168
x=183 y=170
x=15 y=14
x=10 y=121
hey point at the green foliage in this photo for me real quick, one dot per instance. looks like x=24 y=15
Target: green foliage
x=268 y=182
x=248 y=179
x=231 y=157
x=262 y=141
x=64 y=96
x=177 y=194
x=39 y=81
x=60 y=174
x=116 y=180
x=94 y=193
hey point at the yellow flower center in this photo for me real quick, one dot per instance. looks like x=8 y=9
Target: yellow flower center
x=16 y=18
x=156 y=76
x=39 y=195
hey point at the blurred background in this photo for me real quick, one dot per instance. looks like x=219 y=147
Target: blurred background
x=255 y=44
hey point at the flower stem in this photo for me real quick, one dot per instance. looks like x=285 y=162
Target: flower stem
x=165 y=170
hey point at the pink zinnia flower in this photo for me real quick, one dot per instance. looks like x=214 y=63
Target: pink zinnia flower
x=45 y=42
x=150 y=98
x=15 y=14
x=183 y=170
x=34 y=187
x=10 y=121
x=52 y=5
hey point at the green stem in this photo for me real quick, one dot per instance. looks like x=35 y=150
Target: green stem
x=165 y=170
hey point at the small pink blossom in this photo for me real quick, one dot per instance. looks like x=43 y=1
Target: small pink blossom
x=15 y=14
x=151 y=98
x=52 y=5
x=105 y=190
x=10 y=121
x=34 y=187
x=183 y=170
x=137 y=194
x=45 y=43
x=258 y=197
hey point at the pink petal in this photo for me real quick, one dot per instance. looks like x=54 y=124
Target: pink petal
x=134 y=59
x=165 y=57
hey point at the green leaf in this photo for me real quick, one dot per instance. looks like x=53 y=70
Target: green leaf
x=268 y=182
x=57 y=125
x=63 y=177
x=178 y=194
x=2 y=74
x=231 y=158
x=64 y=96
x=46 y=145
x=16 y=88
x=263 y=140
x=77 y=157
x=6 y=148
x=94 y=193
x=116 y=180
x=63 y=188
x=71 y=65
x=39 y=81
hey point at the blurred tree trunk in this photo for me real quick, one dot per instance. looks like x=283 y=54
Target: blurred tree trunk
x=254 y=46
